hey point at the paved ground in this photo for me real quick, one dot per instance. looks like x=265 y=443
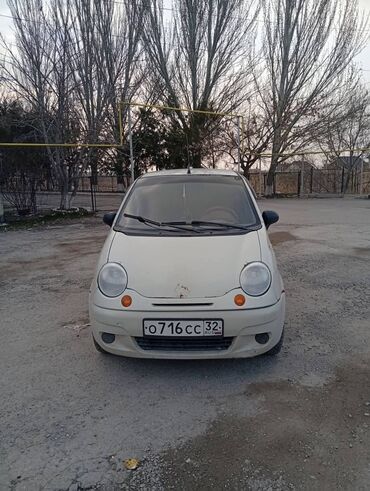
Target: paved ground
x=70 y=416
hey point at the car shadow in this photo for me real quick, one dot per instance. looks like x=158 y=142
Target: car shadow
x=188 y=370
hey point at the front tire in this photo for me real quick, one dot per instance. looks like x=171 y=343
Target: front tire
x=277 y=348
x=99 y=348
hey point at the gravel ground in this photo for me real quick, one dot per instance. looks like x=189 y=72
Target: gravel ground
x=70 y=416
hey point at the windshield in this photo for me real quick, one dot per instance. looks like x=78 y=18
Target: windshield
x=188 y=204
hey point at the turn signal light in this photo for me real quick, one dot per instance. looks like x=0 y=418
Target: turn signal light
x=126 y=301
x=239 y=300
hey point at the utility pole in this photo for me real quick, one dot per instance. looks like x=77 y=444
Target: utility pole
x=302 y=176
x=131 y=147
x=238 y=143
x=1 y=210
x=362 y=177
x=260 y=175
x=2 y=219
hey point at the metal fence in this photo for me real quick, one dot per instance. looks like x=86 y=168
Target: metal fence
x=299 y=182
x=103 y=184
x=314 y=181
x=106 y=193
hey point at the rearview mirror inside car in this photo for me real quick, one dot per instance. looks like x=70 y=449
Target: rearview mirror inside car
x=270 y=217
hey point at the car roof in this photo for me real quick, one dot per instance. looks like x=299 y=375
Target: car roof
x=198 y=172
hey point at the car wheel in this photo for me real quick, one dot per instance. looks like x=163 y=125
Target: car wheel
x=277 y=348
x=99 y=348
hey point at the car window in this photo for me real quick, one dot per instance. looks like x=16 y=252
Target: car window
x=188 y=198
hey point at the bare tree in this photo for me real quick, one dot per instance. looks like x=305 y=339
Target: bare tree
x=347 y=127
x=104 y=39
x=126 y=72
x=255 y=138
x=307 y=47
x=74 y=63
x=21 y=169
x=201 y=60
x=38 y=72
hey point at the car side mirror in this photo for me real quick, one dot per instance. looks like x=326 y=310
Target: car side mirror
x=270 y=217
x=108 y=218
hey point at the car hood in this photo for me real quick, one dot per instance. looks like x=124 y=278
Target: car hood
x=184 y=267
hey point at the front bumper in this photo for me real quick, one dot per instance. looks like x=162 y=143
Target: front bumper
x=240 y=324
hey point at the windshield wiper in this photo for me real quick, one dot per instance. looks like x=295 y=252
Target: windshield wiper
x=193 y=223
x=200 y=223
x=148 y=221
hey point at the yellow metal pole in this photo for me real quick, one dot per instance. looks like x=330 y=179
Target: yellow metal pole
x=185 y=109
x=61 y=145
x=118 y=145
x=74 y=145
x=169 y=108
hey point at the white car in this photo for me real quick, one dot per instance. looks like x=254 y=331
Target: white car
x=188 y=271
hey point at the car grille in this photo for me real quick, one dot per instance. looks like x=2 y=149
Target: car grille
x=179 y=344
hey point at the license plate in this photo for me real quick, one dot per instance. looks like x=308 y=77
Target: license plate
x=183 y=328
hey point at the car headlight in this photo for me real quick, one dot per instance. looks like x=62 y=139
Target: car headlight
x=112 y=280
x=255 y=279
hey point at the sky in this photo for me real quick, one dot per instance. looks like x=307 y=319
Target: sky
x=363 y=59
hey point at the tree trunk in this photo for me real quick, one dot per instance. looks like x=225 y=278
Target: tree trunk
x=63 y=197
x=269 y=188
x=2 y=220
x=119 y=169
x=120 y=183
x=63 y=183
x=346 y=182
x=94 y=172
x=196 y=159
x=195 y=144
x=33 y=199
x=276 y=148
x=245 y=171
x=75 y=182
